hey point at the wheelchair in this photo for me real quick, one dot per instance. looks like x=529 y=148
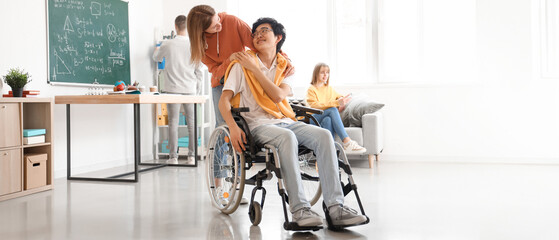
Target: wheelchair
x=226 y=172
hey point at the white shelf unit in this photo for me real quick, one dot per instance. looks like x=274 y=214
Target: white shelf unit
x=203 y=119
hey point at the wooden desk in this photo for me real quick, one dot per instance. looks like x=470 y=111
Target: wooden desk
x=136 y=100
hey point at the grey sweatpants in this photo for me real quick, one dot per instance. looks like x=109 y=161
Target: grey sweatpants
x=174 y=113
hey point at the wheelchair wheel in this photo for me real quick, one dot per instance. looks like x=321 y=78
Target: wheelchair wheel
x=255 y=213
x=225 y=172
x=309 y=174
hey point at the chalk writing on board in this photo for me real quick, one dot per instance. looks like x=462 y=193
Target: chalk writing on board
x=88 y=40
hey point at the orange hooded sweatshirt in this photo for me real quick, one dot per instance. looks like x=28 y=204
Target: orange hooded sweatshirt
x=235 y=35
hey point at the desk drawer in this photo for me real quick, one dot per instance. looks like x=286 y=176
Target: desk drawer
x=10 y=171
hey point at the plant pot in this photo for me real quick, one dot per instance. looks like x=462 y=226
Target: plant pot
x=17 y=92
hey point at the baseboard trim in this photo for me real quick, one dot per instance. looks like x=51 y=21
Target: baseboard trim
x=61 y=173
x=463 y=159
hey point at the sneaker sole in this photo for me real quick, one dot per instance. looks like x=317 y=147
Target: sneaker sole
x=355 y=152
x=352 y=221
x=309 y=222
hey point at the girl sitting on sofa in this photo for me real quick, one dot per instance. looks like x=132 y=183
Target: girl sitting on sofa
x=322 y=96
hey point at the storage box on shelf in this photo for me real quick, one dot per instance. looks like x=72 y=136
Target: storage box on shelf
x=18 y=178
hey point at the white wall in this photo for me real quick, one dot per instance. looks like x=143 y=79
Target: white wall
x=102 y=135
x=173 y=8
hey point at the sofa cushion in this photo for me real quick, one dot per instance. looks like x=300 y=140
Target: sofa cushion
x=359 y=106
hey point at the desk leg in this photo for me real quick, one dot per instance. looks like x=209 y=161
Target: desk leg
x=137 y=153
x=111 y=178
x=195 y=135
x=68 y=153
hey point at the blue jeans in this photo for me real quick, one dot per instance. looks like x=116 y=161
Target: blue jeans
x=286 y=138
x=332 y=121
x=216 y=95
x=220 y=158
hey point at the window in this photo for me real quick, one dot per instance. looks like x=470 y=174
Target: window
x=336 y=32
x=375 y=41
x=548 y=31
x=352 y=44
x=426 y=41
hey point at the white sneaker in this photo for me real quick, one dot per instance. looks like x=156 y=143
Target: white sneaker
x=244 y=201
x=353 y=147
x=190 y=160
x=305 y=217
x=344 y=216
x=172 y=161
x=222 y=195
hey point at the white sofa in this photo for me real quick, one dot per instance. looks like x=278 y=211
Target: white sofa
x=370 y=136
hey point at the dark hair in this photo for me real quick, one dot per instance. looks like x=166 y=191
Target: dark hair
x=180 y=22
x=276 y=27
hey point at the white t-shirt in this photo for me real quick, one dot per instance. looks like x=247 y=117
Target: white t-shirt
x=180 y=75
x=237 y=83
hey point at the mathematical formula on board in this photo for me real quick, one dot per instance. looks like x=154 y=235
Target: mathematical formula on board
x=88 y=40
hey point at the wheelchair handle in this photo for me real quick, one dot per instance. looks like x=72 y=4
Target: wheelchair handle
x=306 y=109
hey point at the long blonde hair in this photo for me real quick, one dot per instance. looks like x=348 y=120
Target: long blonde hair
x=198 y=20
x=317 y=71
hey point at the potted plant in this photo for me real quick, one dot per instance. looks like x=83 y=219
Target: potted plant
x=17 y=79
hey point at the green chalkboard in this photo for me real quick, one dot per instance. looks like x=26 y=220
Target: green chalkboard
x=88 y=40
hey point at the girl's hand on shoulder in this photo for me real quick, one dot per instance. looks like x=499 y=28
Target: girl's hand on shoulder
x=234 y=56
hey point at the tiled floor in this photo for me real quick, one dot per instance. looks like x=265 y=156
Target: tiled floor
x=404 y=200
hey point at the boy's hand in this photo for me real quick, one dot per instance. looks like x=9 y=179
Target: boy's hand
x=238 y=138
x=290 y=69
x=246 y=60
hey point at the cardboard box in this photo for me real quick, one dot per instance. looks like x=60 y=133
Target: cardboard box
x=162 y=120
x=35 y=170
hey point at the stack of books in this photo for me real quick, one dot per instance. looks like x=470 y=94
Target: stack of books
x=26 y=93
x=33 y=136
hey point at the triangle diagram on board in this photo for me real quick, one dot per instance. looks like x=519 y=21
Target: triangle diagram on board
x=68 y=25
x=59 y=62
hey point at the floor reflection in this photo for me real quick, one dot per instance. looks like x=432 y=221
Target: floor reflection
x=223 y=227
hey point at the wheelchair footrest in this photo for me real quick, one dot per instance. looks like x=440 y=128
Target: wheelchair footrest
x=293 y=226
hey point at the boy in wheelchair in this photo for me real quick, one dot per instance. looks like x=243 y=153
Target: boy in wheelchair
x=259 y=83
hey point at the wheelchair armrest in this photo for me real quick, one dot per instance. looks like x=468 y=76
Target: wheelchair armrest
x=299 y=108
x=239 y=110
